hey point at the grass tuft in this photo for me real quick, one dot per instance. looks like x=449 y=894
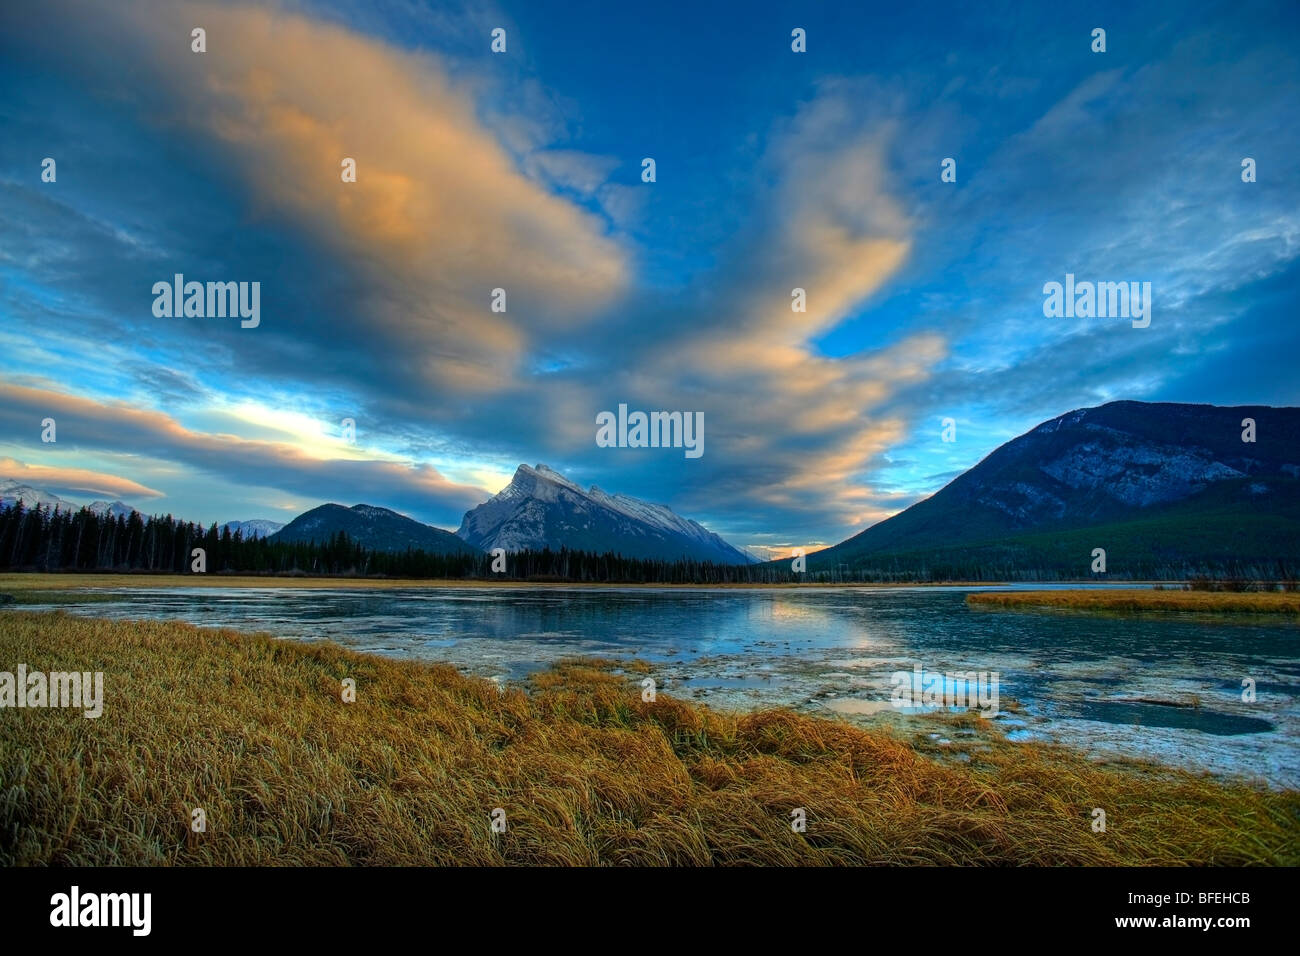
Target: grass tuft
x=254 y=731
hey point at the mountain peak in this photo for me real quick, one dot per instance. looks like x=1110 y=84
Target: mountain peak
x=375 y=511
x=12 y=492
x=1158 y=480
x=111 y=508
x=254 y=528
x=542 y=508
x=371 y=526
x=525 y=475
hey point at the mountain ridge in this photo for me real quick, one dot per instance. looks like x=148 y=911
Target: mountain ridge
x=373 y=527
x=1164 y=478
x=542 y=508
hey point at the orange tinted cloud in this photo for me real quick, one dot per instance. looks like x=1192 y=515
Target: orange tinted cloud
x=81 y=479
x=438 y=216
x=86 y=424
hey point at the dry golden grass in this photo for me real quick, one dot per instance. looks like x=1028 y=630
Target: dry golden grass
x=1132 y=599
x=253 y=730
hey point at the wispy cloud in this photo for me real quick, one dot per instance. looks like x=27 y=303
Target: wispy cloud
x=478 y=172
x=86 y=425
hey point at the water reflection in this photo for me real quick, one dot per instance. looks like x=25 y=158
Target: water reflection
x=1155 y=686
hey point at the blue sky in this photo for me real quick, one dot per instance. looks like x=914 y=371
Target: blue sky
x=522 y=170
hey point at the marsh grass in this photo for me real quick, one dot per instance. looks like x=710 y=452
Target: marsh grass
x=1132 y=599
x=254 y=731
x=56 y=596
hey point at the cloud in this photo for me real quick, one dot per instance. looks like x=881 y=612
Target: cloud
x=168 y=387
x=792 y=428
x=571 y=169
x=375 y=297
x=86 y=425
x=49 y=477
x=438 y=217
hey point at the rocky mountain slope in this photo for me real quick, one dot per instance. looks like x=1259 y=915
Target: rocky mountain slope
x=12 y=492
x=541 y=508
x=1165 y=489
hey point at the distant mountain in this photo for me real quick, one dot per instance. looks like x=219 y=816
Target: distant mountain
x=257 y=528
x=11 y=492
x=113 y=509
x=375 y=528
x=1166 y=489
x=541 y=508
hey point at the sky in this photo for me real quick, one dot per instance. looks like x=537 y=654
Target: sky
x=523 y=170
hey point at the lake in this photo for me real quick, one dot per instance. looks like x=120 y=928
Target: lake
x=1161 y=687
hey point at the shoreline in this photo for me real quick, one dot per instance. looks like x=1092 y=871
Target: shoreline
x=58 y=581
x=585 y=769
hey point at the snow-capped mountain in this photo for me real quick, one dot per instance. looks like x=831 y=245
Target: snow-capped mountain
x=12 y=492
x=113 y=508
x=541 y=508
x=256 y=528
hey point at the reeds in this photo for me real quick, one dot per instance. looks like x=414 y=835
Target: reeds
x=254 y=731
x=1133 y=599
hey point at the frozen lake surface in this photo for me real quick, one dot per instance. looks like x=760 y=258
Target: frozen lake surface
x=1161 y=687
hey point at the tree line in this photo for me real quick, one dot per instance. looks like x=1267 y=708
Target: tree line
x=44 y=539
